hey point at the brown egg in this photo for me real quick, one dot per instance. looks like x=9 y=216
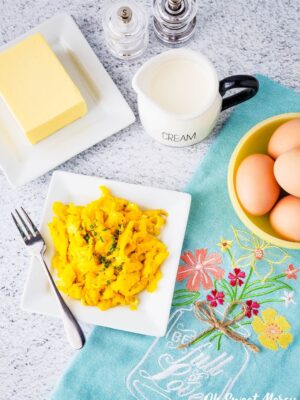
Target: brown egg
x=285 y=218
x=285 y=138
x=287 y=171
x=256 y=185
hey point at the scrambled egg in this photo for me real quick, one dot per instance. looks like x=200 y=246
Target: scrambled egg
x=107 y=251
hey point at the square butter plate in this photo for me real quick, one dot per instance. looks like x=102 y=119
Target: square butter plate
x=151 y=317
x=107 y=114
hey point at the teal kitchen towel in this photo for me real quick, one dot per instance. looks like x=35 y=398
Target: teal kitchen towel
x=221 y=261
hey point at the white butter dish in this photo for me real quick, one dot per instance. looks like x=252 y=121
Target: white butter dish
x=107 y=114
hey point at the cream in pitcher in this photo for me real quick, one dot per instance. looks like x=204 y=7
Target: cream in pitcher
x=178 y=86
x=180 y=97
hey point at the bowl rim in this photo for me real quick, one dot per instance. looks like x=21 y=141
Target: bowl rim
x=232 y=192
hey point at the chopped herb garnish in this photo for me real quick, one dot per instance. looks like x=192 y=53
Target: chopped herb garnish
x=108 y=282
x=86 y=238
x=104 y=261
x=101 y=239
x=118 y=267
x=115 y=238
x=113 y=246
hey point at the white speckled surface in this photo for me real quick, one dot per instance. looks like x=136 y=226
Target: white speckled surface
x=239 y=37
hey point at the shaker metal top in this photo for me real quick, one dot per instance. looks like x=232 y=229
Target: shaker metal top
x=175 y=5
x=125 y=14
x=174 y=20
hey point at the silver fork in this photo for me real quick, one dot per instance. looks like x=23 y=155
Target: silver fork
x=37 y=246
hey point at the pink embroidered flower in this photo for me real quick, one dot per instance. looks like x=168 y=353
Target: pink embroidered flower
x=259 y=253
x=291 y=272
x=252 y=308
x=215 y=298
x=236 y=277
x=199 y=266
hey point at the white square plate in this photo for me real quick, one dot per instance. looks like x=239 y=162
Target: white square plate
x=108 y=112
x=151 y=317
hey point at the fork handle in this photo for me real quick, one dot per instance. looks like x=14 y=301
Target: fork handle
x=73 y=330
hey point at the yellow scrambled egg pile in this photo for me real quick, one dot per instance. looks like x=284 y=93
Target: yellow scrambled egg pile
x=107 y=251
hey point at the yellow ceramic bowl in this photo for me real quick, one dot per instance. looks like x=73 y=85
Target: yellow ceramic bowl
x=256 y=141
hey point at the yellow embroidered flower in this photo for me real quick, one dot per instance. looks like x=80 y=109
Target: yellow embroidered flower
x=258 y=254
x=272 y=329
x=225 y=245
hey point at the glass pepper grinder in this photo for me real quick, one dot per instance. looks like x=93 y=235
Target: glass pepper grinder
x=174 y=20
x=125 y=26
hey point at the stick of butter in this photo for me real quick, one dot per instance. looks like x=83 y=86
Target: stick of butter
x=37 y=89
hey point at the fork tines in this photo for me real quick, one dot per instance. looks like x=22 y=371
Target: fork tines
x=27 y=230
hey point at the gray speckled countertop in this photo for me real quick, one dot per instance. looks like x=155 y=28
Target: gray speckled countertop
x=258 y=36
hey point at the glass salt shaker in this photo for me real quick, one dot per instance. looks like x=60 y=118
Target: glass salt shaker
x=174 y=20
x=125 y=26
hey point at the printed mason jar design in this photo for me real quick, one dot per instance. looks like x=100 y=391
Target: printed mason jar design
x=166 y=372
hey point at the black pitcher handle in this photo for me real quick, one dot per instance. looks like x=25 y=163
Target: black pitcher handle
x=247 y=82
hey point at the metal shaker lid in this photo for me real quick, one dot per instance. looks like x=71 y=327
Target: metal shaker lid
x=174 y=20
x=125 y=14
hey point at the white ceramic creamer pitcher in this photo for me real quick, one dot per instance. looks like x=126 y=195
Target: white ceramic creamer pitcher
x=180 y=96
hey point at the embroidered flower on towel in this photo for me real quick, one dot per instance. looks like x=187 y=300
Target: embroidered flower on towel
x=198 y=268
x=272 y=329
x=236 y=278
x=257 y=254
x=252 y=308
x=225 y=245
x=288 y=298
x=291 y=272
x=215 y=298
x=256 y=250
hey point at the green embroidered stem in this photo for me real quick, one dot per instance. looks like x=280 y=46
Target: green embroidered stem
x=235 y=292
x=181 y=291
x=266 y=292
x=278 y=276
x=271 y=301
x=235 y=298
x=259 y=291
x=227 y=288
x=246 y=284
x=205 y=335
x=236 y=315
x=219 y=342
x=183 y=297
x=289 y=287
x=231 y=258
x=246 y=323
x=184 y=303
x=248 y=292
x=215 y=336
x=228 y=294
x=275 y=278
x=219 y=336
x=236 y=326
